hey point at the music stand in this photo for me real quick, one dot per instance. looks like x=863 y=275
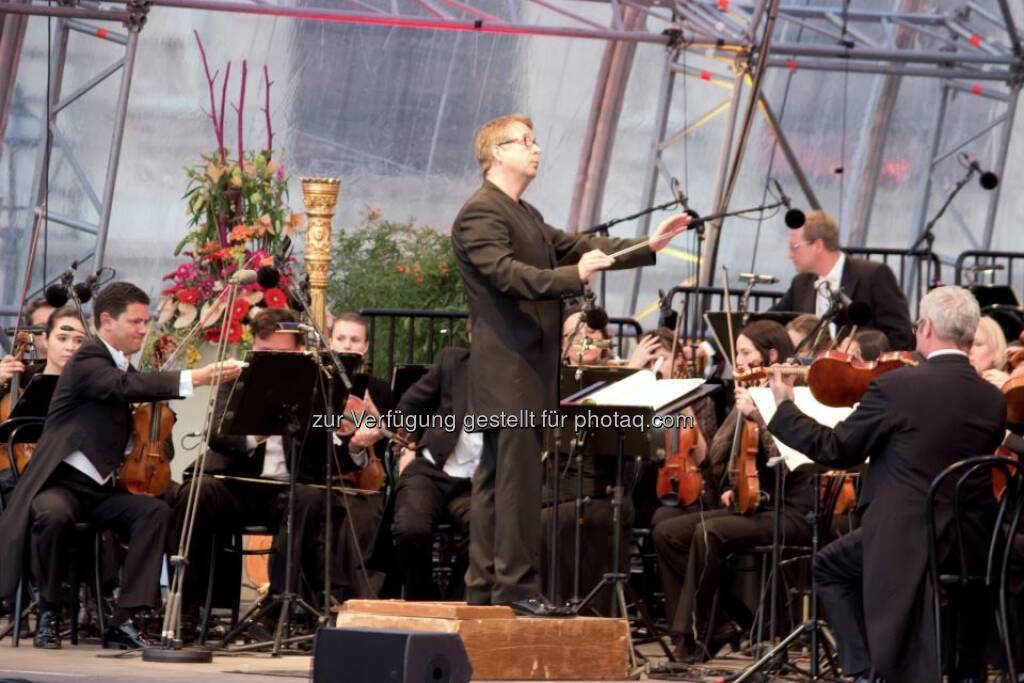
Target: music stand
x=404 y=376
x=575 y=406
x=260 y=403
x=35 y=399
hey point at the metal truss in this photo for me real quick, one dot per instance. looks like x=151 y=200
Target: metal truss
x=90 y=22
x=975 y=48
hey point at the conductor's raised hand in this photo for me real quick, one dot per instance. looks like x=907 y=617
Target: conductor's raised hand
x=593 y=261
x=669 y=228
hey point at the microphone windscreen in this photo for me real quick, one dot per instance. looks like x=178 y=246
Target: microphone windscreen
x=83 y=291
x=596 y=318
x=268 y=277
x=795 y=218
x=56 y=295
x=859 y=313
x=989 y=180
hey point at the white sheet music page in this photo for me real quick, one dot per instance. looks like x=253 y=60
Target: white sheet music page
x=643 y=388
x=823 y=414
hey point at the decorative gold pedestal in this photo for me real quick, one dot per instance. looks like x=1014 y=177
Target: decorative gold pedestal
x=320 y=195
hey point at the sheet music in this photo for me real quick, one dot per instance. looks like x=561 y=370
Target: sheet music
x=643 y=388
x=826 y=415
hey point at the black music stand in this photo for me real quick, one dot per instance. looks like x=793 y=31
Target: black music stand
x=601 y=438
x=260 y=403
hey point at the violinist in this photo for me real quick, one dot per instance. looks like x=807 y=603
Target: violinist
x=691 y=548
x=912 y=422
x=799 y=327
x=988 y=351
x=37 y=312
x=71 y=477
x=225 y=504
x=350 y=333
x=64 y=334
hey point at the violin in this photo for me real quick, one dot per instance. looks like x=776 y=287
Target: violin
x=22 y=451
x=680 y=482
x=372 y=476
x=147 y=469
x=1013 y=390
x=835 y=378
x=845 y=496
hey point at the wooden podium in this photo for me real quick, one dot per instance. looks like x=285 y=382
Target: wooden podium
x=504 y=646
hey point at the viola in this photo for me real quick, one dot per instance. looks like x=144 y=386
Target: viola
x=22 y=451
x=680 y=481
x=835 y=378
x=1013 y=390
x=743 y=465
x=147 y=469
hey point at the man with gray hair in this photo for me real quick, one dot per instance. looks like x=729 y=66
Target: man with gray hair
x=912 y=423
x=815 y=253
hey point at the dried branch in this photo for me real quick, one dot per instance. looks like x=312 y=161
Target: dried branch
x=266 y=110
x=223 y=108
x=241 y=113
x=218 y=128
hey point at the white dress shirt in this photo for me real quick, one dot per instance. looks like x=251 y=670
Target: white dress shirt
x=834 y=278
x=78 y=459
x=464 y=458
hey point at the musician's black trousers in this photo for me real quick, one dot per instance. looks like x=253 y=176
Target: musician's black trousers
x=691 y=552
x=426 y=497
x=839 y=577
x=224 y=506
x=504 y=527
x=69 y=497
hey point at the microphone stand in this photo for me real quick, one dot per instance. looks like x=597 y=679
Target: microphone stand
x=927 y=236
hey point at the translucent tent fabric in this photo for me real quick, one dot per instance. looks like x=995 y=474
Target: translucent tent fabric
x=392 y=113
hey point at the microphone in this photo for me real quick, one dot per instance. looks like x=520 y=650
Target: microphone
x=243 y=277
x=684 y=201
x=295 y=327
x=856 y=312
x=987 y=179
x=595 y=317
x=269 y=276
x=56 y=295
x=85 y=290
x=795 y=218
x=758 y=278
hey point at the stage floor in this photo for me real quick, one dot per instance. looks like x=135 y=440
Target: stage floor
x=89 y=663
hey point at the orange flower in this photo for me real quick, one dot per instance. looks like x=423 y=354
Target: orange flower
x=419 y=279
x=240 y=233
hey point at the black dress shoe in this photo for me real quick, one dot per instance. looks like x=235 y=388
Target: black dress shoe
x=729 y=634
x=48 y=631
x=125 y=636
x=540 y=606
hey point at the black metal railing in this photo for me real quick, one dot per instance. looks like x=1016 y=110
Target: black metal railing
x=699 y=300
x=914 y=269
x=990 y=268
x=414 y=335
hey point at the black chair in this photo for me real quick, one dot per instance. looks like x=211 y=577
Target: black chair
x=27 y=430
x=962 y=576
x=235 y=546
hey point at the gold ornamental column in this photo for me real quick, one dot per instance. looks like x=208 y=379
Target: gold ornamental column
x=320 y=195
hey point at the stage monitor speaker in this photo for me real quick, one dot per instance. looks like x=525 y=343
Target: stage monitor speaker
x=368 y=655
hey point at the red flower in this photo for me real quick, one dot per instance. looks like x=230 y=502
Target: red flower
x=240 y=309
x=212 y=335
x=234 y=332
x=399 y=269
x=419 y=279
x=188 y=296
x=275 y=298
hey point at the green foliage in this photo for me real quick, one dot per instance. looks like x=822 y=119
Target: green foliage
x=382 y=263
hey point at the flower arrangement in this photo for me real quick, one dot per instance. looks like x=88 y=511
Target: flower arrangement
x=238 y=217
